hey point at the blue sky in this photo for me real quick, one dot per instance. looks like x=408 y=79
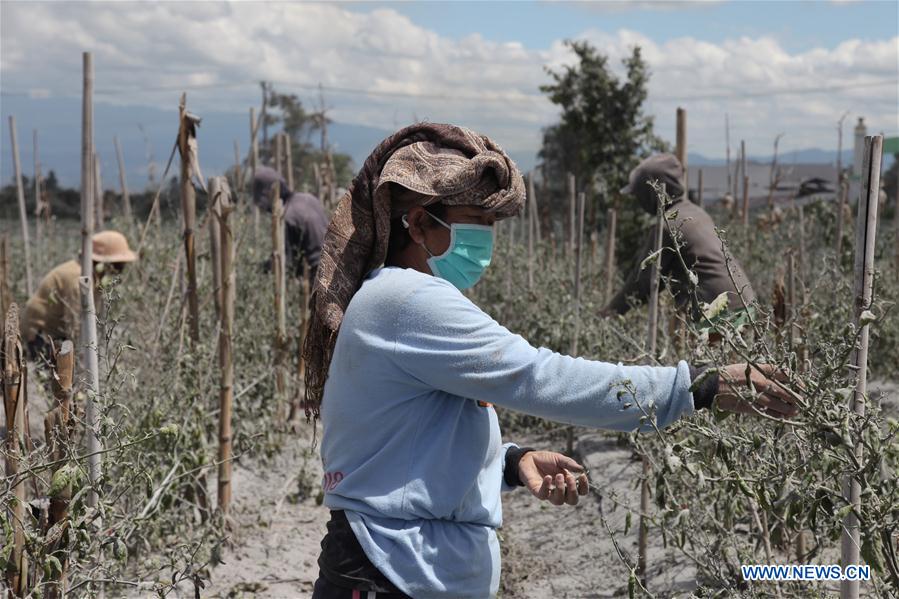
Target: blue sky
x=797 y=24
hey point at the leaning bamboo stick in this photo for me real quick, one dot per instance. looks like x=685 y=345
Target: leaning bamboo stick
x=14 y=403
x=5 y=296
x=226 y=364
x=288 y=161
x=99 y=208
x=89 y=359
x=610 y=255
x=578 y=259
x=38 y=201
x=189 y=215
x=699 y=199
x=296 y=406
x=681 y=144
x=123 y=182
x=530 y=220
x=572 y=200
x=254 y=162
x=279 y=154
x=841 y=209
x=23 y=212
x=238 y=172
x=652 y=337
x=866 y=230
x=745 y=200
x=215 y=240
x=279 y=341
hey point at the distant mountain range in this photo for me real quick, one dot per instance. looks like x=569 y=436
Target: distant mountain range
x=145 y=132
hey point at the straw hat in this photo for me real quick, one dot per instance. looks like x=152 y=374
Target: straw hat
x=111 y=246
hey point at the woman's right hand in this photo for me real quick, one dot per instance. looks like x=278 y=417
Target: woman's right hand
x=764 y=384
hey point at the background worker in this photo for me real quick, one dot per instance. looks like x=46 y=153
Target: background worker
x=53 y=312
x=701 y=247
x=404 y=369
x=305 y=221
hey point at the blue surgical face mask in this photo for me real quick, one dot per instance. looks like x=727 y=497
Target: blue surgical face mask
x=468 y=254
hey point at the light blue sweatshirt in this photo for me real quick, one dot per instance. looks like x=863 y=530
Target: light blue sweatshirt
x=411 y=456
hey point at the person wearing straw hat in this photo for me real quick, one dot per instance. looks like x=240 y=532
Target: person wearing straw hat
x=305 y=221
x=52 y=313
x=404 y=369
x=701 y=249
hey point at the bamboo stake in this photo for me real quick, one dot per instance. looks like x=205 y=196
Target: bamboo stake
x=99 y=208
x=279 y=342
x=58 y=431
x=215 y=240
x=530 y=219
x=23 y=213
x=279 y=154
x=727 y=144
x=578 y=258
x=572 y=200
x=652 y=336
x=254 y=162
x=5 y=296
x=610 y=255
x=15 y=398
x=123 y=182
x=681 y=145
x=38 y=203
x=238 y=174
x=226 y=364
x=533 y=206
x=745 y=200
x=866 y=230
x=288 y=158
x=89 y=357
x=841 y=209
x=296 y=406
x=189 y=213
x=699 y=193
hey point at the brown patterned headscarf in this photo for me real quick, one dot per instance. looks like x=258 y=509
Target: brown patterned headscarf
x=442 y=163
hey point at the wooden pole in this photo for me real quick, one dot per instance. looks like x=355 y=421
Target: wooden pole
x=123 y=182
x=89 y=360
x=727 y=144
x=745 y=200
x=866 y=229
x=238 y=174
x=254 y=162
x=23 y=212
x=15 y=399
x=841 y=210
x=288 y=158
x=5 y=295
x=612 y=217
x=279 y=154
x=572 y=201
x=279 y=341
x=215 y=241
x=226 y=332
x=99 y=208
x=296 y=406
x=38 y=200
x=189 y=214
x=699 y=199
x=578 y=258
x=652 y=337
x=533 y=206
x=681 y=146
x=530 y=219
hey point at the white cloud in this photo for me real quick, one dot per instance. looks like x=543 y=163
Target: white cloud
x=144 y=53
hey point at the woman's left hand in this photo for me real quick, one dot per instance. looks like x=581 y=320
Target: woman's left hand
x=553 y=476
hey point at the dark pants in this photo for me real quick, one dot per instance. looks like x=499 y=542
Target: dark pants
x=324 y=589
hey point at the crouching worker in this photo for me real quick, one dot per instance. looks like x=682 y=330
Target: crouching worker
x=53 y=312
x=305 y=221
x=403 y=370
x=701 y=247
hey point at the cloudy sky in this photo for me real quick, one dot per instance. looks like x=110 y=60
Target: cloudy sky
x=774 y=67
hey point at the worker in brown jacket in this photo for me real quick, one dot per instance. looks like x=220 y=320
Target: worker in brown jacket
x=52 y=313
x=701 y=248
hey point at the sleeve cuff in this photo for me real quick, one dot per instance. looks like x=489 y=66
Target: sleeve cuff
x=510 y=471
x=703 y=385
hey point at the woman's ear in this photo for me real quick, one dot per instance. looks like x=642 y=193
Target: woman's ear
x=415 y=223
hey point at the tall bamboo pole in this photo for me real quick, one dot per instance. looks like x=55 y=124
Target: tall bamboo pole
x=727 y=144
x=578 y=259
x=254 y=162
x=612 y=217
x=280 y=279
x=15 y=403
x=123 y=182
x=279 y=154
x=99 y=208
x=699 y=199
x=226 y=332
x=38 y=203
x=189 y=214
x=866 y=230
x=745 y=200
x=681 y=146
x=572 y=201
x=296 y=405
x=5 y=296
x=238 y=171
x=90 y=360
x=23 y=212
x=841 y=210
x=652 y=336
x=215 y=240
x=288 y=161
x=530 y=218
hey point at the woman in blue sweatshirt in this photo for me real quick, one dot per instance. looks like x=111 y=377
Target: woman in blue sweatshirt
x=404 y=370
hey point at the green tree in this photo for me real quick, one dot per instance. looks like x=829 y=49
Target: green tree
x=602 y=132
